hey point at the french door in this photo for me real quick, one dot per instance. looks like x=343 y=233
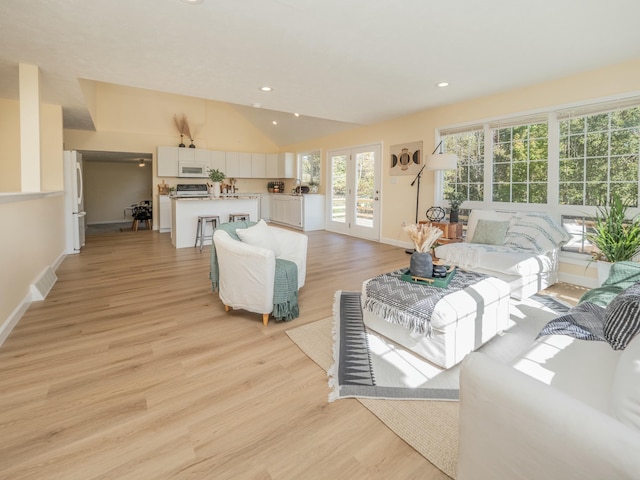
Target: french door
x=354 y=191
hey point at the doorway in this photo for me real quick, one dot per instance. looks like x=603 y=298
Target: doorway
x=114 y=181
x=354 y=191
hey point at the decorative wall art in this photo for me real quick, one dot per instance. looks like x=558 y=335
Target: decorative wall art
x=406 y=159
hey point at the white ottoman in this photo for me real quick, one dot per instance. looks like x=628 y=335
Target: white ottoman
x=461 y=322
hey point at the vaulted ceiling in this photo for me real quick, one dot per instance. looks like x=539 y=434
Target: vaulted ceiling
x=337 y=63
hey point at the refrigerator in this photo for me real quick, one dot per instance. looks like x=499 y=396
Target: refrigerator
x=74 y=202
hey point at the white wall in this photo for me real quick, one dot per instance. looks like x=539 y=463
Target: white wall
x=34 y=239
x=110 y=187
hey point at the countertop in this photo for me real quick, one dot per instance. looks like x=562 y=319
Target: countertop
x=244 y=196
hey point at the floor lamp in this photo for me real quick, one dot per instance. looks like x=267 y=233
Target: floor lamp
x=435 y=161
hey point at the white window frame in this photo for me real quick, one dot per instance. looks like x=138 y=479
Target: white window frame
x=552 y=207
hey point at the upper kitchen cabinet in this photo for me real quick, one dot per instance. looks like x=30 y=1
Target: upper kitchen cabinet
x=258 y=165
x=232 y=167
x=280 y=165
x=244 y=165
x=167 y=161
x=199 y=155
x=218 y=161
x=233 y=164
x=272 y=165
x=238 y=165
x=286 y=165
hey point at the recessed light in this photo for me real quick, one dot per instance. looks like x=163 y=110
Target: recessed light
x=266 y=88
x=296 y=114
x=274 y=122
x=442 y=84
x=193 y=2
x=256 y=105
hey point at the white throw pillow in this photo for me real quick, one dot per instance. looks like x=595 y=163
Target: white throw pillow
x=260 y=235
x=536 y=232
x=625 y=393
x=476 y=215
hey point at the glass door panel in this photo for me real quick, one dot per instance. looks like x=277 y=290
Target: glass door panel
x=354 y=192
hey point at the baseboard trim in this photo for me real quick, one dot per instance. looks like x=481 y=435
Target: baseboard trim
x=34 y=294
x=13 y=319
x=396 y=243
x=579 y=280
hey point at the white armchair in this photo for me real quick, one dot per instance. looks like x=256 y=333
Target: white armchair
x=246 y=272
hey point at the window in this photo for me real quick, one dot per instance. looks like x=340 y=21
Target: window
x=599 y=155
x=468 y=178
x=578 y=227
x=520 y=163
x=309 y=166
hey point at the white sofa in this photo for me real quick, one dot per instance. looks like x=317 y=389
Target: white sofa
x=521 y=249
x=564 y=408
x=247 y=267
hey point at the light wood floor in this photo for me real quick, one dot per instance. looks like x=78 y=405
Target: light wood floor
x=131 y=369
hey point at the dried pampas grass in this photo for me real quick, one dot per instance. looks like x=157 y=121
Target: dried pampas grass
x=182 y=125
x=423 y=236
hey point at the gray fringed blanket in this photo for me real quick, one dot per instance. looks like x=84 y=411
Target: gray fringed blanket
x=285 y=292
x=585 y=321
x=411 y=304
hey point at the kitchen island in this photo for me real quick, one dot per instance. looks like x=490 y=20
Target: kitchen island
x=185 y=212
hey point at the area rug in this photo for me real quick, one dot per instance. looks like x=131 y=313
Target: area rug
x=430 y=427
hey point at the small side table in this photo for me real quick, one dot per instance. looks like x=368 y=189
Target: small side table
x=450 y=231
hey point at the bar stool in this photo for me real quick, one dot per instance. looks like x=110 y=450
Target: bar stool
x=234 y=217
x=202 y=228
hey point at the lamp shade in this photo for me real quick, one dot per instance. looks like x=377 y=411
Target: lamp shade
x=442 y=161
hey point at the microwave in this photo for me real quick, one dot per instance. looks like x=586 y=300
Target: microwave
x=193 y=169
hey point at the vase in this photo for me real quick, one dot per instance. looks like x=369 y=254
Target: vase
x=603 y=268
x=215 y=189
x=421 y=265
x=453 y=216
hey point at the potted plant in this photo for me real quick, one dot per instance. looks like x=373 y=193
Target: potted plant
x=216 y=176
x=270 y=186
x=615 y=237
x=455 y=200
x=313 y=186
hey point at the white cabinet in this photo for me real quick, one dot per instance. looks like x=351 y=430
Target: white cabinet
x=286 y=209
x=232 y=167
x=258 y=165
x=312 y=212
x=217 y=161
x=294 y=214
x=244 y=165
x=272 y=165
x=164 y=203
x=167 y=161
x=169 y=158
x=286 y=165
x=265 y=207
x=238 y=165
x=233 y=164
x=305 y=212
x=199 y=155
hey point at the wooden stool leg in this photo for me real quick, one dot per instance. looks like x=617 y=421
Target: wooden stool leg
x=227 y=308
x=265 y=319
